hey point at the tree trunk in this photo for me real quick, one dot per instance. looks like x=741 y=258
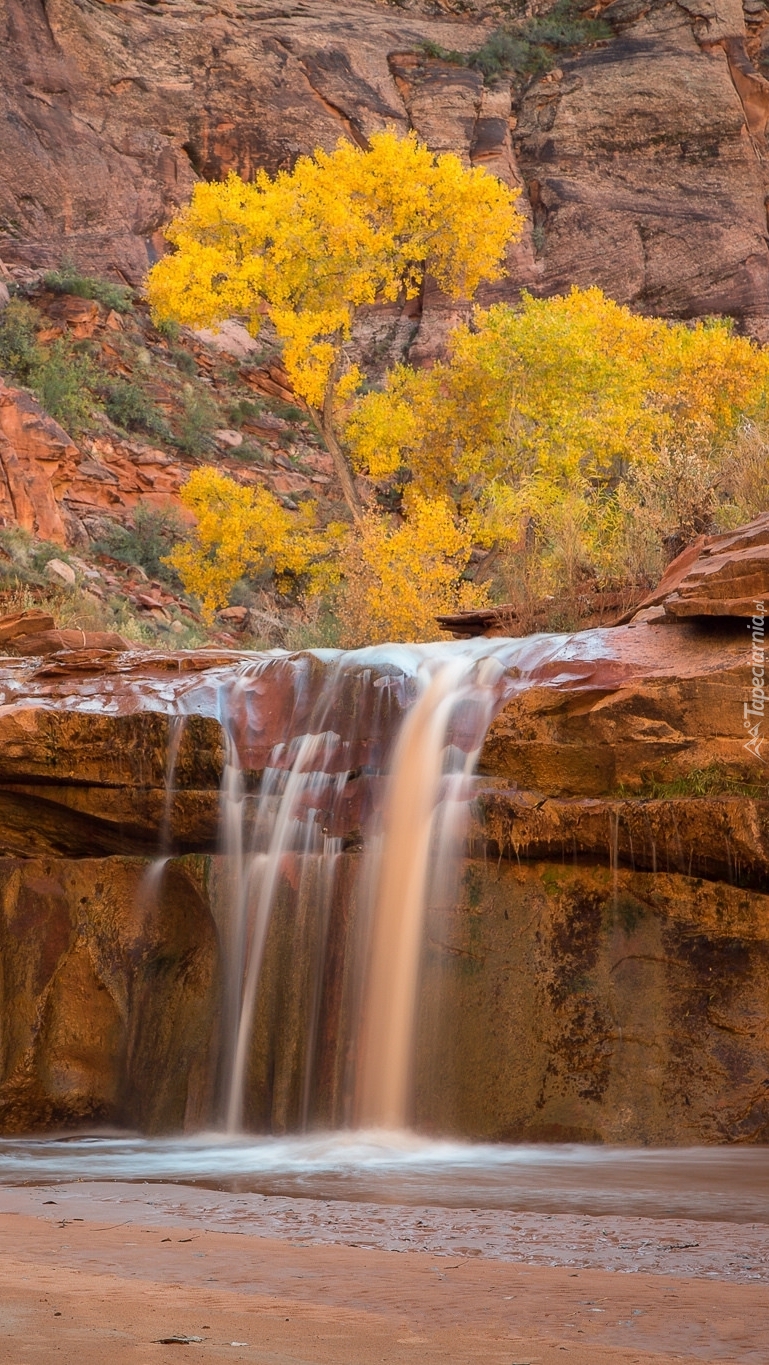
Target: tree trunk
x=343 y=471
x=324 y=421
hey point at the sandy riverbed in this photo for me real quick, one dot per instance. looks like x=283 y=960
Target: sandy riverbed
x=106 y=1269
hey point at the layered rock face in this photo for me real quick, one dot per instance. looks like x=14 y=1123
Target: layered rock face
x=110 y=991
x=602 y=975
x=642 y=160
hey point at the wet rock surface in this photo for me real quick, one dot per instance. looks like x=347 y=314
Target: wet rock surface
x=109 y=992
x=614 y=933
x=595 y=1006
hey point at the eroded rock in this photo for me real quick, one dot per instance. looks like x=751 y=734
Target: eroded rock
x=642 y=159
x=588 y=1006
x=109 y=995
x=721 y=575
x=38 y=463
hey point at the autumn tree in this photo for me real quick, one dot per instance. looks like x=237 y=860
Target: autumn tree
x=244 y=529
x=311 y=247
x=398 y=577
x=563 y=415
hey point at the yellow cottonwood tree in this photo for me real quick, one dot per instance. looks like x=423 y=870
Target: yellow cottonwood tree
x=312 y=246
x=399 y=576
x=240 y=530
x=541 y=413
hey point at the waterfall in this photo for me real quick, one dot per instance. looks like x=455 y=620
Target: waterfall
x=383 y=742
x=153 y=878
x=411 y=861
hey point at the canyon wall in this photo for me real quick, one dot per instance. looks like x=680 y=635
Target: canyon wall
x=642 y=159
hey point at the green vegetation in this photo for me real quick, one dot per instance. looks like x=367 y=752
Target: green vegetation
x=19 y=351
x=243 y=411
x=61 y=376
x=168 y=329
x=128 y=406
x=199 y=419
x=714 y=780
x=183 y=361
x=72 y=385
x=528 y=47
x=64 y=381
x=154 y=533
x=23 y=585
x=68 y=280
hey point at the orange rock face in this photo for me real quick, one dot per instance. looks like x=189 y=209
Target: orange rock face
x=723 y=575
x=38 y=462
x=642 y=160
x=48 y=484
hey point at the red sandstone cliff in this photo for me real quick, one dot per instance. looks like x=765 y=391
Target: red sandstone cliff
x=643 y=158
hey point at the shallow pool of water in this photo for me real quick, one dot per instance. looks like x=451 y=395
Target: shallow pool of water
x=719 y=1183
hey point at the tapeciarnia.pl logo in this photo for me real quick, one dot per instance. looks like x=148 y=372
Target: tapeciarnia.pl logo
x=753 y=710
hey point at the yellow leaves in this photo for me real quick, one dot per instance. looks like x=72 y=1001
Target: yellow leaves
x=383 y=429
x=566 y=418
x=349 y=383
x=397 y=577
x=241 y=530
x=561 y=394
x=343 y=229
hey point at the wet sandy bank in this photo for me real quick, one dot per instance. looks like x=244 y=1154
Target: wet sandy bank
x=105 y=1270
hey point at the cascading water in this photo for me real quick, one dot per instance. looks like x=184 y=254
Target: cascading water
x=393 y=736
x=154 y=875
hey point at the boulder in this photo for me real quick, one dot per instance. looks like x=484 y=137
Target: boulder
x=230 y=338
x=20 y=623
x=226 y=437
x=720 y=575
x=54 y=641
x=60 y=573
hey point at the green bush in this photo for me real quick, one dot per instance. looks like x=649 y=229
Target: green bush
x=289 y=412
x=154 y=533
x=244 y=410
x=64 y=382
x=528 y=46
x=200 y=416
x=128 y=406
x=19 y=350
x=167 y=328
x=183 y=361
x=503 y=51
x=68 y=280
x=714 y=780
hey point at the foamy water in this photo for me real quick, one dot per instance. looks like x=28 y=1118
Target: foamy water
x=717 y=1183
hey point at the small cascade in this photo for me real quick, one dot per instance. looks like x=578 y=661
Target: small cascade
x=285 y=823
x=153 y=878
x=377 y=759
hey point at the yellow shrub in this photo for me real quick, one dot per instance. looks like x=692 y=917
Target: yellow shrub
x=545 y=415
x=398 y=577
x=240 y=530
